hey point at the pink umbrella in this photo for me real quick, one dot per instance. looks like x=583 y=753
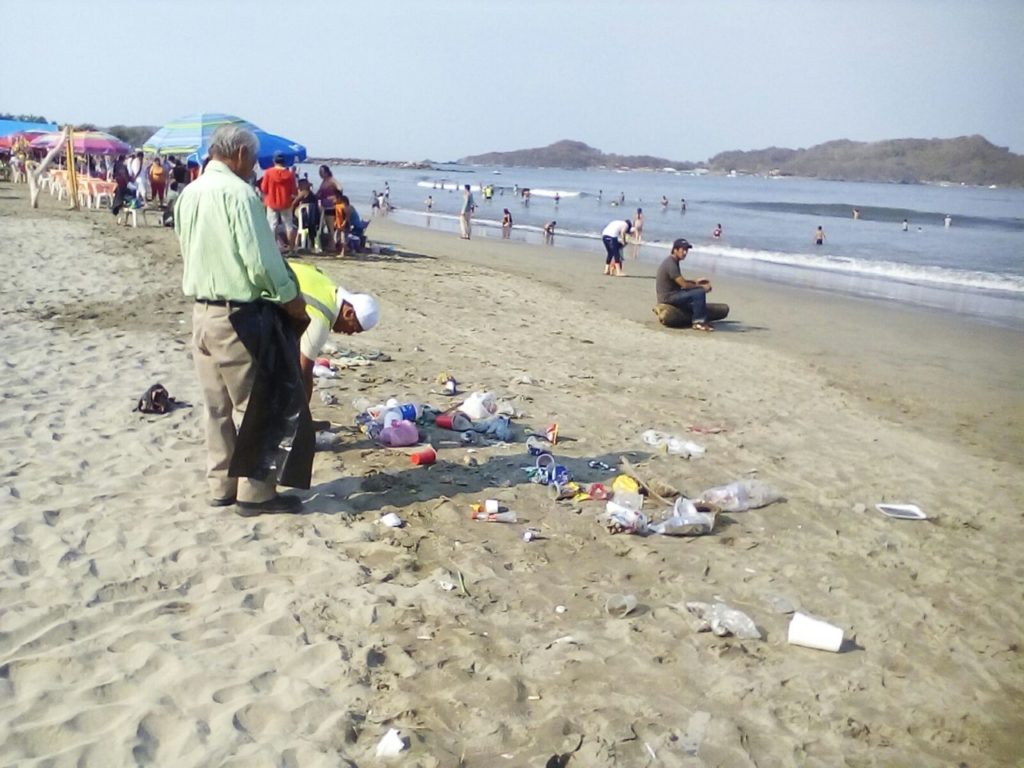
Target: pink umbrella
x=7 y=142
x=86 y=143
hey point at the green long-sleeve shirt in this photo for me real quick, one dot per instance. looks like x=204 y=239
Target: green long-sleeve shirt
x=226 y=242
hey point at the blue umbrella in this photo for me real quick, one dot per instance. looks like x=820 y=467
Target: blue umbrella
x=190 y=136
x=7 y=127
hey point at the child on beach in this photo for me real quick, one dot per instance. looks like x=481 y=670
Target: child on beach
x=342 y=219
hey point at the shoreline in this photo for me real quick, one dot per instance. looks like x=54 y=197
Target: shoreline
x=957 y=380
x=974 y=301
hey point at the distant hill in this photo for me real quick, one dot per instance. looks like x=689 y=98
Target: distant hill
x=967 y=159
x=571 y=154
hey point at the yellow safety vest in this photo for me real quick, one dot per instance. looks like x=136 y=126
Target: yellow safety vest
x=318 y=292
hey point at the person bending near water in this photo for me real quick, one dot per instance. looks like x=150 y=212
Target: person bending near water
x=549 y=232
x=614 y=238
x=676 y=290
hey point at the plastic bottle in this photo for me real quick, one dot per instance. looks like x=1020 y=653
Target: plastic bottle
x=741 y=495
x=508 y=516
x=629 y=499
x=409 y=411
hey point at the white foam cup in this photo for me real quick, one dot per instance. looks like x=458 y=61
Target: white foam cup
x=814 y=633
x=491 y=506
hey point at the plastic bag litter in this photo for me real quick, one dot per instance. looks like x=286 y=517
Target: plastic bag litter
x=498 y=427
x=479 y=405
x=392 y=744
x=686 y=520
x=323 y=372
x=622 y=519
x=722 y=620
x=741 y=496
x=673 y=444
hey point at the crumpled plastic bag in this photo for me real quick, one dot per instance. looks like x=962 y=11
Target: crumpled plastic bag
x=687 y=520
x=722 y=620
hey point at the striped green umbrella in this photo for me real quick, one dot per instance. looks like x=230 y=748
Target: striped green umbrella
x=190 y=135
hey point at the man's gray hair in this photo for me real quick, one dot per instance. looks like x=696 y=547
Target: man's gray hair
x=228 y=139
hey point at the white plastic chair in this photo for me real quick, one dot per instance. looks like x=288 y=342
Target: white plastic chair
x=100 y=193
x=134 y=213
x=302 y=232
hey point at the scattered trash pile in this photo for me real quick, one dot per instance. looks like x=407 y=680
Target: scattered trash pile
x=480 y=418
x=635 y=501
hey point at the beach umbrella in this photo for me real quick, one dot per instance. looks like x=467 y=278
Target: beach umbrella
x=85 y=143
x=7 y=127
x=189 y=136
x=8 y=141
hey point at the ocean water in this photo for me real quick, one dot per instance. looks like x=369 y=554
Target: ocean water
x=974 y=267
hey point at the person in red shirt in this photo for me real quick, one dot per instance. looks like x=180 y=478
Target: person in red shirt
x=279 y=191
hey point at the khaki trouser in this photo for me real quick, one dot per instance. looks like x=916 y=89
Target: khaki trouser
x=465 y=224
x=226 y=373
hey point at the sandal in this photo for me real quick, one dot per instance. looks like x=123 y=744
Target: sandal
x=702 y=327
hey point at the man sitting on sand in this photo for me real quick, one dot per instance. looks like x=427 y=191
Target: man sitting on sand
x=676 y=290
x=330 y=308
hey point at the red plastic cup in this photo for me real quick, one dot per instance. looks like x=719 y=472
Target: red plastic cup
x=426 y=456
x=444 y=420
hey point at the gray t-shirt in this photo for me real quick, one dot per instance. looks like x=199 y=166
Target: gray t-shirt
x=665 y=282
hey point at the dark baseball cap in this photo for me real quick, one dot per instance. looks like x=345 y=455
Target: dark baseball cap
x=681 y=242
x=279 y=157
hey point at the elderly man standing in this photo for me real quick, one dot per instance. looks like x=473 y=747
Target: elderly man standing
x=231 y=264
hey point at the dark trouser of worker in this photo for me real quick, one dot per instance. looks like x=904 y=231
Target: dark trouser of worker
x=693 y=299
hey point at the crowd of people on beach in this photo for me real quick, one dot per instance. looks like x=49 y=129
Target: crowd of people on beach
x=260 y=320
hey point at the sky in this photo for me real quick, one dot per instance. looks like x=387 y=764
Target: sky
x=442 y=79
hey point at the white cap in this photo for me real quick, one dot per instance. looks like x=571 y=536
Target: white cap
x=366 y=306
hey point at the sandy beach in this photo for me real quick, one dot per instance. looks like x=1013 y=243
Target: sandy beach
x=140 y=627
